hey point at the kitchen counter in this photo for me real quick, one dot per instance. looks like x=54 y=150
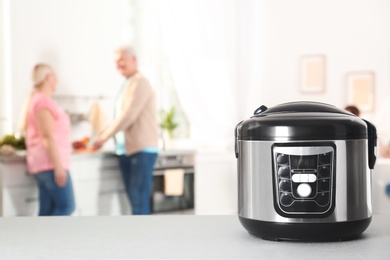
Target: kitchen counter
x=171 y=237
x=20 y=156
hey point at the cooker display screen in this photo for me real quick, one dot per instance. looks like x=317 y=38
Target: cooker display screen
x=303 y=162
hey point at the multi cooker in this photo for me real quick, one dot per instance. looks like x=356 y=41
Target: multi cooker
x=304 y=172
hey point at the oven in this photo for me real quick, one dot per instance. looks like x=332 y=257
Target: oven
x=183 y=163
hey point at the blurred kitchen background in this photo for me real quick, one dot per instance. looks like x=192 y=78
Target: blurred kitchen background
x=213 y=61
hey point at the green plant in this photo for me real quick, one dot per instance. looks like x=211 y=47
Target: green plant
x=12 y=140
x=167 y=121
x=21 y=143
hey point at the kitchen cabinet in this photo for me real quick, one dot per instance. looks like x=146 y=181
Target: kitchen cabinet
x=97 y=183
x=216 y=182
x=19 y=195
x=20 y=201
x=101 y=198
x=98 y=186
x=381 y=187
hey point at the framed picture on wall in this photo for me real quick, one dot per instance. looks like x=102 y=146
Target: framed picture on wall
x=313 y=74
x=361 y=90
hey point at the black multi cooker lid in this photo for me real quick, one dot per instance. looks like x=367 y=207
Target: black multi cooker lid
x=302 y=121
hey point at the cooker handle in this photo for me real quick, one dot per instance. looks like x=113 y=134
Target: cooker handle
x=260 y=110
x=372 y=143
x=236 y=139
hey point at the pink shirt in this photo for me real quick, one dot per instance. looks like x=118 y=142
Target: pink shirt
x=38 y=159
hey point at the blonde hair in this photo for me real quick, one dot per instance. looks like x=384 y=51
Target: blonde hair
x=39 y=74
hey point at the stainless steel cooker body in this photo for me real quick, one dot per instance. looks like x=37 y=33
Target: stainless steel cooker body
x=304 y=172
x=349 y=187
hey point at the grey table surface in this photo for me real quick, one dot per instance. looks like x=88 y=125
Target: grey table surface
x=170 y=237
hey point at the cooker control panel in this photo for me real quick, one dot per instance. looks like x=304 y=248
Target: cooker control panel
x=304 y=179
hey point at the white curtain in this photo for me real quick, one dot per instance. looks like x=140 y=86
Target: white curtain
x=5 y=70
x=204 y=43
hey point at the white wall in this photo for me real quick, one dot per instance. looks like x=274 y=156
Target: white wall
x=5 y=108
x=353 y=34
x=2 y=74
x=76 y=37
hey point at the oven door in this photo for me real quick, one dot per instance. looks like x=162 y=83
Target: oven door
x=163 y=203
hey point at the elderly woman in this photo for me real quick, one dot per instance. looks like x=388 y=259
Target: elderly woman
x=49 y=145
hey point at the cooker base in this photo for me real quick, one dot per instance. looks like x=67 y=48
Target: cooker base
x=313 y=232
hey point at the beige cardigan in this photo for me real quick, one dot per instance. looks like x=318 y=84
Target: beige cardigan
x=138 y=118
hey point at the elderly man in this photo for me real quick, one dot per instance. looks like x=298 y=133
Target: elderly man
x=135 y=131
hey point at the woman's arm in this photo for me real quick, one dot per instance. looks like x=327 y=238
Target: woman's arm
x=45 y=123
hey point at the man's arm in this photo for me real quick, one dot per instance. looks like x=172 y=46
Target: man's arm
x=135 y=101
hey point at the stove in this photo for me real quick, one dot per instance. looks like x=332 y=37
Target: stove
x=183 y=161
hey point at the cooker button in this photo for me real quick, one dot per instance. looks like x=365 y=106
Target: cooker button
x=325 y=158
x=323 y=185
x=282 y=159
x=284 y=172
x=286 y=199
x=285 y=185
x=323 y=199
x=304 y=177
x=296 y=178
x=312 y=177
x=304 y=190
x=323 y=172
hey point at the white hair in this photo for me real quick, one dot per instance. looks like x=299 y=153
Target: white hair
x=127 y=49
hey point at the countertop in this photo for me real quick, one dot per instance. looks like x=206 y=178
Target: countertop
x=171 y=237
